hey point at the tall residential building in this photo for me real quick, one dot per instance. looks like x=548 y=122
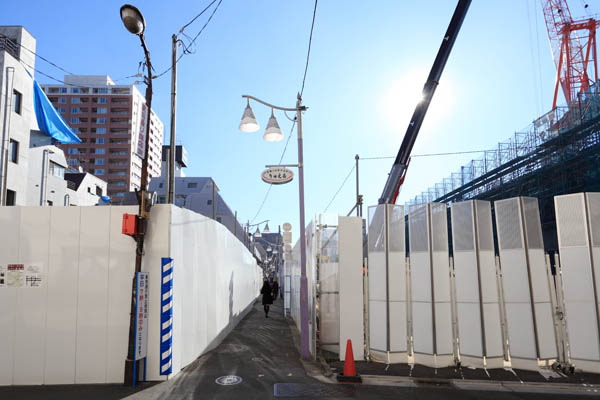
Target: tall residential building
x=110 y=119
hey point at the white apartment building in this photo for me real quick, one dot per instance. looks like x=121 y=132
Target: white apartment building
x=17 y=114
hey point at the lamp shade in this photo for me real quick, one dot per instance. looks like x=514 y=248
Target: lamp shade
x=273 y=133
x=248 y=123
x=133 y=19
x=257 y=233
x=266 y=230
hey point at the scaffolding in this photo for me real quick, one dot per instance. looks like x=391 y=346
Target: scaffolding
x=558 y=153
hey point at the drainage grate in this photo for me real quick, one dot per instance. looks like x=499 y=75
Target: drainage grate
x=313 y=390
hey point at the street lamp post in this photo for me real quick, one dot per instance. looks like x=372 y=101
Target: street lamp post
x=273 y=133
x=134 y=22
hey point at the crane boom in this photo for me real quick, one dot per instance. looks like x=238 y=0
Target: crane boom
x=396 y=175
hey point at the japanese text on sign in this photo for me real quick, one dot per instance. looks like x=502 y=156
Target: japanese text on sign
x=141 y=315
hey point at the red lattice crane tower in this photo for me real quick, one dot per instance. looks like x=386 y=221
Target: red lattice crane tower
x=573 y=46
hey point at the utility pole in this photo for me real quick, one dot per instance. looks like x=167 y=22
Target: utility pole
x=173 y=108
x=358 y=202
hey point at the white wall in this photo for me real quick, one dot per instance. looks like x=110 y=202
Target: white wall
x=73 y=328
x=215 y=280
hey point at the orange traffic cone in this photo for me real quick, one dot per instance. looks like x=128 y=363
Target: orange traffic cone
x=349 y=375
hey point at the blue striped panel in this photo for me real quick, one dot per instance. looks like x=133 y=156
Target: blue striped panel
x=166 y=315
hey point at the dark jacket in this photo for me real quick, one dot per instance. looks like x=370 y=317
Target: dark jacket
x=275 y=287
x=266 y=290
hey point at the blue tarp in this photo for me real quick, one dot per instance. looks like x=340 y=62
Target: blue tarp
x=49 y=120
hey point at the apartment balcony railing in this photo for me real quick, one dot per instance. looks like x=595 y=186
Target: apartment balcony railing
x=9 y=46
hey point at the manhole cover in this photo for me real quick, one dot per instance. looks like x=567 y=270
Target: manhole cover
x=228 y=380
x=256 y=359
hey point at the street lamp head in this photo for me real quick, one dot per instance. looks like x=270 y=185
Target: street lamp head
x=133 y=19
x=248 y=123
x=273 y=132
x=266 y=230
x=257 y=233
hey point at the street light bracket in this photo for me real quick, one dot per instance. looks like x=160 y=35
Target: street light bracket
x=302 y=108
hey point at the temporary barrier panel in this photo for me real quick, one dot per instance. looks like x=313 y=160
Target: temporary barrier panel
x=329 y=290
x=479 y=328
x=525 y=282
x=430 y=285
x=350 y=285
x=387 y=284
x=578 y=225
x=65 y=315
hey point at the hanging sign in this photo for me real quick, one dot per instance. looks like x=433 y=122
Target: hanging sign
x=277 y=175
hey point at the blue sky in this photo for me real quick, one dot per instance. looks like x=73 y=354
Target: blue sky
x=368 y=62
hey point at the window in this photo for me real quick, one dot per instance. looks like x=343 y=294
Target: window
x=72 y=151
x=62 y=110
x=11 y=197
x=99 y=120
x=100 y=151
x=73 y=120
x=101 y=90
x=75 y=110
x=72 y=161
x=75 y=90
x=62 y=90
x=160 y=185
x=100 y=131
x=99 y=161
x=208 y=202
x=75 y=100
x=14 y=151
x=192 y=185
x=98 y=172
x=17 y=99
x=101 y=141
x=98 y=191
x=101 y=100
x=56 y=170
x=62 y=100
x=101 y=110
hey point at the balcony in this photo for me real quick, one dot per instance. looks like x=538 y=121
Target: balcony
x=120 y=121
x=10 y=47
x=120 y=131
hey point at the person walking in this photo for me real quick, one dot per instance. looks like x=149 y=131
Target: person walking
x=275 y=287
x=267 y=298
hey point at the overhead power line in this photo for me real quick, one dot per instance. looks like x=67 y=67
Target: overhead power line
x=186 y=49
x=312 y=26
x=340 y=188
x=36 y=54
x=428 y=155
x=271 y=185
x=390 y=157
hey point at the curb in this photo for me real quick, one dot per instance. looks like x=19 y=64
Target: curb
x=470 y=384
